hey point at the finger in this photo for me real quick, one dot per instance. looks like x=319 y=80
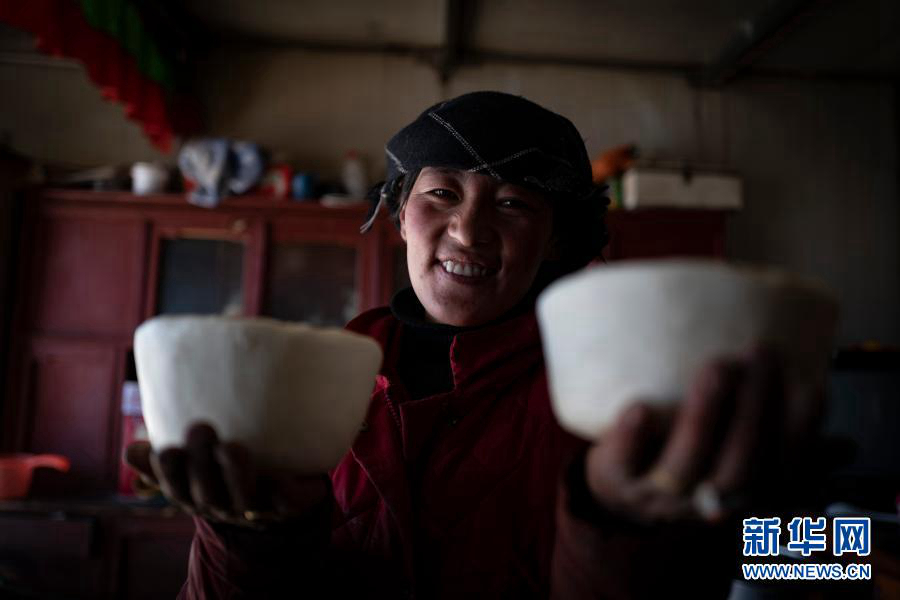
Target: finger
x=625 y=445
x=699 y=426
x=753 y=437
x=207 y=485
x=170 y=468
x=137 y=456
x=238 y=473
x=612 y=464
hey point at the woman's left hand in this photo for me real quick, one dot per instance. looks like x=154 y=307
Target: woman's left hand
x=722 y=449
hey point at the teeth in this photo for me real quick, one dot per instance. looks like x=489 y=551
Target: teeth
x=464 y=269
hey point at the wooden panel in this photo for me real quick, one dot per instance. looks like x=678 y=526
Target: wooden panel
x=86 y=276
x=96 y=552
x=151 y=557
x=661 y=233
x=69 y=403
x=38 y=575
x=339 y=229
x=51 y=538
x=323 y=227
x=222 y=226
x=155 y=567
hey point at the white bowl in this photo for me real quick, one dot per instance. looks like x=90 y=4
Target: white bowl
x=294 y=394
x=640 y=330
x=148 y=178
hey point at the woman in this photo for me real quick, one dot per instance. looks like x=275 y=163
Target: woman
x=460 y=483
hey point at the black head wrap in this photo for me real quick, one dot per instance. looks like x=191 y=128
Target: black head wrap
x=505 y=136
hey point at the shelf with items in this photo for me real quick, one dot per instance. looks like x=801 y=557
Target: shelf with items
x=96 y=264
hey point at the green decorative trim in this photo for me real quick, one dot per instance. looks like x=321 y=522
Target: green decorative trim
x=121 y=20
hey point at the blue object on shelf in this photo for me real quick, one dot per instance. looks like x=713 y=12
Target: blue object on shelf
x=303 y=186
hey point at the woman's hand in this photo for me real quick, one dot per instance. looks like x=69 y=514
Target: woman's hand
x=710 y=456
x=219 y=481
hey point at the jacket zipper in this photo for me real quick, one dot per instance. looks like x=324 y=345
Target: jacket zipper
x=393 y=410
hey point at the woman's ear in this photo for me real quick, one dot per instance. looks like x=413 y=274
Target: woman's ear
x=402 y=218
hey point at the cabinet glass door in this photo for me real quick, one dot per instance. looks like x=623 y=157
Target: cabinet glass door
x=312 y=282
x=200 y=276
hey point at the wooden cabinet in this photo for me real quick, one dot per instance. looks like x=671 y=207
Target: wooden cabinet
x=653 y=233
x=69 y=389
x=84 y=550
x=97 y=264
x=314 y=259
x=93 y=266
x=74 y=258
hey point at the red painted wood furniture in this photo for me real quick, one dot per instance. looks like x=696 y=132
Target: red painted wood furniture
x=94 y=265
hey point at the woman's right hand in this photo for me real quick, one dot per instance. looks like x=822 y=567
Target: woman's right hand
x=220 y=482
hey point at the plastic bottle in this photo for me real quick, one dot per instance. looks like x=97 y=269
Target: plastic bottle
x=353 y=175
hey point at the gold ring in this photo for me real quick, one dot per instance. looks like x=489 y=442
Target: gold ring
x=664 y=481
x=257 y=516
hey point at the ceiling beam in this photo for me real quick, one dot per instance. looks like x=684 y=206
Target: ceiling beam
x=433 y=55
x=458 y=16
x=755 y=38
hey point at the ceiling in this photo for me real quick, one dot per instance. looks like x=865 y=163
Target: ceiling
x=839 y=38
x=712 y=41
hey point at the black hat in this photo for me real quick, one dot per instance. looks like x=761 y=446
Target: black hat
x=498 y=134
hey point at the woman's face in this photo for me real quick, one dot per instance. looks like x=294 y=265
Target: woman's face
x=473 y=244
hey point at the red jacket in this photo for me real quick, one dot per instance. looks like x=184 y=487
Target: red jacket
x=456 y=495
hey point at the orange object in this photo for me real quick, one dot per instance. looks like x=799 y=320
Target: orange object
x=16 y=470
x=612 y=162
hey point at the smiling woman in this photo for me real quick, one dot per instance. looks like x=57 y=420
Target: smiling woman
x=504 y=186
x=460 y=483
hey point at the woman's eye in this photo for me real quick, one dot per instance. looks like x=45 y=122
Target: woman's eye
x=442 y=193
x=514 y=203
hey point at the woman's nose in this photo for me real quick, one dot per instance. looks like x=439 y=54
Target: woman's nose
x=470 y=226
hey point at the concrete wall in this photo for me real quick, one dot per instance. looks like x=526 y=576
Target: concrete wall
x=819 y=160
x=54 y=113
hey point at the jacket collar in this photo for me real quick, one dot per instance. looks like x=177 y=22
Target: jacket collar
x=482 y=357
x=474 y=351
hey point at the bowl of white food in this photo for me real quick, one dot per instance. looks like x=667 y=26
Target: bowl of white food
x=294 y=394
x=641 y=330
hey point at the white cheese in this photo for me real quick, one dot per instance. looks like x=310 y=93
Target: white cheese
x=294 y=394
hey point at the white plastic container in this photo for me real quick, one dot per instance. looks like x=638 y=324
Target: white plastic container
x=353 y=176
x=650 y=187
x=294 y=394
x=641 y=330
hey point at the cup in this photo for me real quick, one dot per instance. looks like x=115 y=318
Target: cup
x=148 y=178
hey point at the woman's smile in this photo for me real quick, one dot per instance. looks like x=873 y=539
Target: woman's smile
x=474 y=244
x=465 y=274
